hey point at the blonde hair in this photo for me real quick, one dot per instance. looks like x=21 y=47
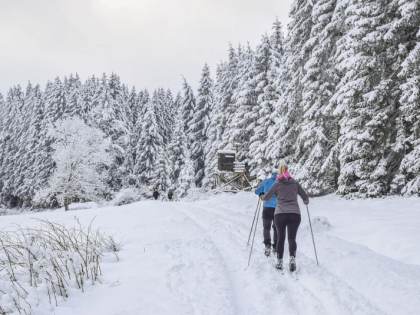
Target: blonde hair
x=282 y=169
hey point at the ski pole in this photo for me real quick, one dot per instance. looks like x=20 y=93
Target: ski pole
x=313 y=240
x=255 y=230
x=252 y=226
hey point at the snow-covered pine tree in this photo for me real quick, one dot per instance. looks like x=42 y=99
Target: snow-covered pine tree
x=366 y=99
x=271 y=94
x=13 y=124
x=276 y=58
x=161 y=171
x=142 y=100
x=176 y=148
x=223 y=97
x=108 y=113
x=86 y=96
x=72 y=90
x=315 y=162
x=22 y=120
x=267 y=96
x=222 y=112
x=171 y=111
x=28 y=140
x=133 y=104
x=405 y=31
x=214 y=132
x=288 y=111
x=243 y=120
x=5 y=110
x=55 y=101
x=2 y=141
x=35 y=154
x=187 y=105
x=177 y=104
x=186 y=179
x=162 y=113
x=148 y=146
x=199 y=123
x=81 y=156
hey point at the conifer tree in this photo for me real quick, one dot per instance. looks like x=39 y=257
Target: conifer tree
x=35 y=153
x=406 y=32
x=244 y=119
x=148 y=146
x=161 y=171
x=55 y=101
x=187 y=105
x=171 y=112
x=365 y=99
x=86 y=95
x=288 y=111
x=72 y=92
x=199 y=123
x=315 y=164
x=176 y=146
x=14 y=127
x=23 y=188
x=215 y=130
x=222 y=113
x=266 y=97
x=186 y=179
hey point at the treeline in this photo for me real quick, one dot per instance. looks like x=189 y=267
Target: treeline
x=337 y=99
x=27 y=116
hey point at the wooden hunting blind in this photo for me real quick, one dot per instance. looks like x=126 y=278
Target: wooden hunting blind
x=231 y=176
x=226 y=160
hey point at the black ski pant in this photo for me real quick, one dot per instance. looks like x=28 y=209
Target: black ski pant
x=268 y=222
x=292 y=222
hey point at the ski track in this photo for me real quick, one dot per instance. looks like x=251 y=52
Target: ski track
x=323 y=290
x=203 y=283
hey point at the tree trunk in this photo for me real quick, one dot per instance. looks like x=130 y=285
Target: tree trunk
x=337 y=160
x=66 y=204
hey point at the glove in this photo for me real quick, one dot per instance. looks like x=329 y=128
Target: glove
x=306 y=202
x=261 y=194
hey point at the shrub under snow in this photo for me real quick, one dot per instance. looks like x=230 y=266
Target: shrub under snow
x=42 y=265
x=129 y=195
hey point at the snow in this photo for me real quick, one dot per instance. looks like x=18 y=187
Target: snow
x=190 y=258
x=226 y=152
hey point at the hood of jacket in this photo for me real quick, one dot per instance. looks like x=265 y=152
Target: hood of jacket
x=287 y=181
x=273 y=176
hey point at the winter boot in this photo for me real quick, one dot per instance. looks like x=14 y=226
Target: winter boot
x=292 y=264
x=279 y=264
x=267 y=251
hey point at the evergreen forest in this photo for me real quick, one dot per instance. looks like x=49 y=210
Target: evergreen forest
x=337 y=99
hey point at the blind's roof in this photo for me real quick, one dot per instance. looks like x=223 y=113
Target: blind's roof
x=226 y=152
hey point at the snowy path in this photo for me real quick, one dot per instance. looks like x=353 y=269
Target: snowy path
x=190 y=258
x=268 y=287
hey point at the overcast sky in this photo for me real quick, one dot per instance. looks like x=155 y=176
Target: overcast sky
x=148 y=43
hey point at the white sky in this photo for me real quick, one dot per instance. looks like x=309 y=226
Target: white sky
x=148 y=43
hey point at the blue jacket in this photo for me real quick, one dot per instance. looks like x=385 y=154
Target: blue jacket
x=265 y=187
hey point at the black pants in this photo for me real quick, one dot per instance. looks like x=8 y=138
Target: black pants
x=292 y=222
x=268 y=222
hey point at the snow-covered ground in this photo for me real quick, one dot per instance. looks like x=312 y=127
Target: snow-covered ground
x=191 y=258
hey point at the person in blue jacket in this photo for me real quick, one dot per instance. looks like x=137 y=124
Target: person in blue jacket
x=268 y=213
